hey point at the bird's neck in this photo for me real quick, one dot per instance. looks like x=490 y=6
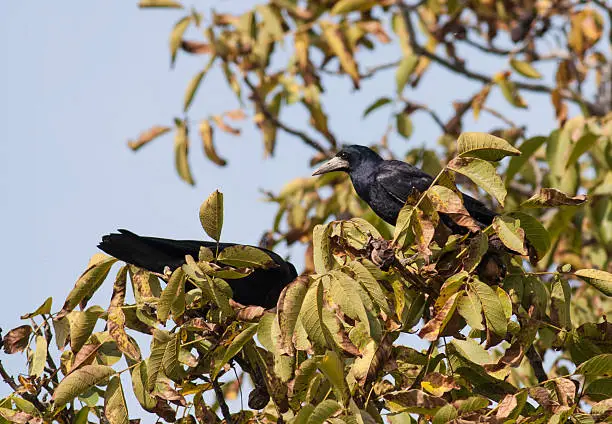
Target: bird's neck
x=362 y=179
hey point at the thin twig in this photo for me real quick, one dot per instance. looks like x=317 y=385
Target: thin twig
x=27 y=396
x=536 y=363
x=302 y=135
x=221 y=399
x=462 y=70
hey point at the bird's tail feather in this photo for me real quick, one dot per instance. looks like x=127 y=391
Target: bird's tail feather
x=150 y=253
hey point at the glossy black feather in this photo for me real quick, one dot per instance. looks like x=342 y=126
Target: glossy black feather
x=386 y=184
x=261 y=288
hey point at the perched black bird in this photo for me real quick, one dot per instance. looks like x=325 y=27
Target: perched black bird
x=386 y=184
x=261 y=288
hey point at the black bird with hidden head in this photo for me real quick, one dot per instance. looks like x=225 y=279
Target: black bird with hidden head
x=386 y=184
x=260 y=288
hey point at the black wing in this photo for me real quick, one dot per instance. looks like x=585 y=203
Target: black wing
x=400 y=179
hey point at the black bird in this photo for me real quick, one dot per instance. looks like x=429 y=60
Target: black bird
x=386 y=184
x=260 y=288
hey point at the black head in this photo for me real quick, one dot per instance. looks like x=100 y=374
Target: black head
x=349 y=159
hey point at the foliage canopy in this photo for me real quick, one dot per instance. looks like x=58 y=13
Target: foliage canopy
x=334 y=349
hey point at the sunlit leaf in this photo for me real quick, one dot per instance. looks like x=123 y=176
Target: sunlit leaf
x=176 y=36
x=115 y=406
x=492 y=307
x=80 y=381
x=510 y=233
x=160 y=3
x=245 y=257
x=377 y=104
x=211 y=215
x=43 y=309
x=37 y=366
x=599 y=279
x=484 y=146
x=482 y=173
x=404 y=70
x=525 y=69
x=551 y=197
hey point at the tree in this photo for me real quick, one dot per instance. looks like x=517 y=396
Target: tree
x=334 y=349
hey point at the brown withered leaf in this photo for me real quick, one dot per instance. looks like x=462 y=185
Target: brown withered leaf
x=431 y=330
x=85 y=355
x=437 y=384
x=164 y=410
x=544 y=398
x=247 y=313
x=224 y=127
x=506 y=406
x=195 y=47
x=116 y=317
x=415 y=398
x=147 y=136
x=206 y=133
x=566 y=391
x=17 y=339
x=164 y=390
x=551 y=197
x=447 y=201
x=288 y=309
x=235 y=114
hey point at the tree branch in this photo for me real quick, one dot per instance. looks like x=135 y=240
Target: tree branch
x=302 y=135
x=461 y=70
x=536 y=363
x=221 y=399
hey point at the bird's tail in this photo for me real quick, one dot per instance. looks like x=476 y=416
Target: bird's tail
x=150 y=253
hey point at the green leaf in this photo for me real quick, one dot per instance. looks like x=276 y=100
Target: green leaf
x=79 y=382
x=370 y=284
x=535 y=232
x=492 y=307
x=37 y=366
x=527 y=149
x=154 y=362
x=404 y=124
x=303 y=414
x=194 y=84
x=339 y=47
x=600 y=389
x=173 y=293
x=139 y=385
x=181 y=150
x=323 y=411
x=551 y=197
x=446 y=414
x=82 y=324
x=346 y=6
x=170 y=361
x=43 y=309
x=378 y=103
x=235 y=346
x=160 y=3
x=583 y=144
x=473 y=403
x=115 y=407
x=176 y=36
x=471 y=350
x=211 y=215
x=345 y=292
x=484 y=146
x=600 y=365
x=88 y=282
x=510 y=233
x=406 y=67
x=601 y=280
x=331 y=366
x=402 y=234
x=482 y=173
x=246 y=257
x=470 y=308
x=289 y=305
x=323 y=259
x=310 y=316
x=525 y=69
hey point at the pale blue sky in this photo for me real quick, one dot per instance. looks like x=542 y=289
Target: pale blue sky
x=80 y=78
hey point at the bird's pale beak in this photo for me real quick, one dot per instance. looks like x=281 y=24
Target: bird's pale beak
x=334 y=164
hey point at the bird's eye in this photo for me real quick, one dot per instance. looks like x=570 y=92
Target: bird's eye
x=342 y=155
